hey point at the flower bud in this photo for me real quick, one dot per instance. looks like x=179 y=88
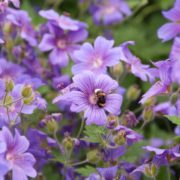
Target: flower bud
x=129 y=119
x=150 y=102
x=68 y=143
x=28 y=100
x=148 y=114
x=151 y=170
x=112 y=121
x=52 y=126
x=120 y=138
x=133 y=93
x=174 y=98
x=8 y=100
x=9 y=85
x=27 y=91
x=94 y=156
x=117 y=70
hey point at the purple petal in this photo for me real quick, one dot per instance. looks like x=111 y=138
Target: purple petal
x=96 y=116
x=168 y=31
x=47 y=42
x=153 y=149
x=58 y=57
x=156 y=89
x=113 y=103
x=173 y=14
x=49 y=14
x=21 y=144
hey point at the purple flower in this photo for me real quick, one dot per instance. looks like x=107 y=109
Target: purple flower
x=175 y=57
x=109 y=11
x=61 y=44
x=94 y=95
x=163 y=85
x=63 y=22
x=171 y=29
x=16 y=156
x=108 y=173
x=21 y=21
x=97 y=58
x=128 y=134
x=40 y=146
x=164 y=156
x=144 y=72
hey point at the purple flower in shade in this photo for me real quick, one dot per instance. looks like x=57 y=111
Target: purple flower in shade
x=40 y=146
x=94 y=95
x=21 y=21
x=97 y=58
x=171 y=29
x=10 y=70
x=61 y=44
x=2 y=88
x=168 y=108
x=62 y=21
x=128 y=134
x=61 y=82
x=163 y=85
x=109 y=11
x=113 y=154
x=175 y=57
x=16 y=156
x=164 y=156
x=144 y=72
x=108 y=173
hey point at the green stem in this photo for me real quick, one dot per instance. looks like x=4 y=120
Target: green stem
x=79 y=163
x=80 y=129
x=168 y=173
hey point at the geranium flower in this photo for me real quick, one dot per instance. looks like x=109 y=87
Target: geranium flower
x=171 y=29
x=94 y=95
x=16 y=157
x=109 y=11
x=97 y=58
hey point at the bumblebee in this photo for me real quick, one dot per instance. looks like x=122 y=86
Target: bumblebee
x=101 y=98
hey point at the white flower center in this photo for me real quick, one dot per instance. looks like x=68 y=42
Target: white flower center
x=97 y=63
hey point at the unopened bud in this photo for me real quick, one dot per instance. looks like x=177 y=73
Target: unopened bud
x=117 y=70
x=93 y=156
x=28 y=100
x=174 y=98
x=129 y=119
x=9 y=85
x=8 y=100
x=27 y=91
x=68 y=143
x=150 y=102
x=120 y=138
x=133 y=93
x=52 y=126
x=151 y=170
x=112 y=121
x=148 y=114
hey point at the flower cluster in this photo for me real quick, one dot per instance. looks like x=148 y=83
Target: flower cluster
x=75 y=103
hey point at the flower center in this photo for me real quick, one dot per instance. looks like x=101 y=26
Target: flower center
x=61 y=43
x=9 y=157
x=97 y=62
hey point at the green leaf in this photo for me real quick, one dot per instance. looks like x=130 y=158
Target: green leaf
x=93 y=133
x=174 y=119
x=58 y=156
x=134 y=152
x=86 y=171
